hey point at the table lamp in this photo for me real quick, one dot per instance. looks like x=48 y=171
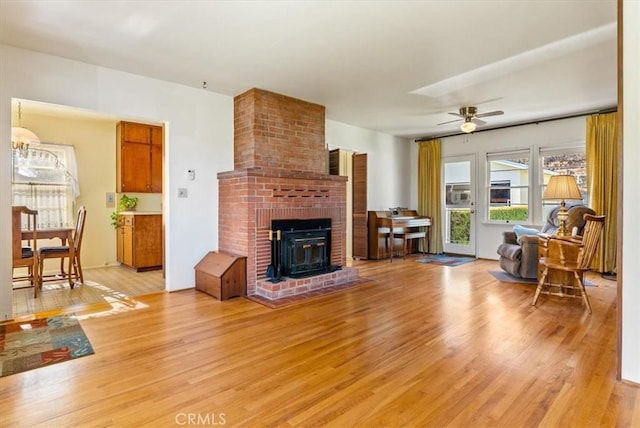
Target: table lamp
x=562 y=187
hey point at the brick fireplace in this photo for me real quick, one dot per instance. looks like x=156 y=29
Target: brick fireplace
x=279 y=174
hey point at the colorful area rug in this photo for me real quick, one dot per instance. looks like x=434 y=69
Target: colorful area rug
x=446 y=259
x=41 y=342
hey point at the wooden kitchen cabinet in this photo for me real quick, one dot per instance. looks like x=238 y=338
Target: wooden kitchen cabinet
x=139 y=241
x=138 y=158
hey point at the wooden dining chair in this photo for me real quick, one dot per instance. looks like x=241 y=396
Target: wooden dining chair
x=573 y=255
x=24 y=220
x=64 y=252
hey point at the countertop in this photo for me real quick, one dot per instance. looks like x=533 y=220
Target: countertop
x=140 y=213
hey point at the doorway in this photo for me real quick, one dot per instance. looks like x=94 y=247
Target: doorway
x=93 y=135
x=459 y=231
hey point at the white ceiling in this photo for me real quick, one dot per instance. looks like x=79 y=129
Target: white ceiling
x=391 y=66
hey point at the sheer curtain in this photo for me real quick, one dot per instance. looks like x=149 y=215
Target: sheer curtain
x=45 y=179
x=430 y=190
x=602 y=183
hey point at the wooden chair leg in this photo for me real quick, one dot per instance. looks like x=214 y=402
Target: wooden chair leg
x=70 y=273
x=78 y=267
x=36 y=279
x=583 y=291
x=405 y=248
x=540 y=285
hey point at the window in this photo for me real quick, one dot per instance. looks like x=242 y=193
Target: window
x=44 y=179
x=570 y=161
x=508 y=186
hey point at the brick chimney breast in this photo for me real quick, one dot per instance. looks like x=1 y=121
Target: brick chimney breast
x=280 y=173
x=278 y=132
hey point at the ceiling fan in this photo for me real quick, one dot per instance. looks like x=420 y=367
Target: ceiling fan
x=471 y=118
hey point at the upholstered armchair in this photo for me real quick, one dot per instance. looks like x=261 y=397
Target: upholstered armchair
x=519 y=251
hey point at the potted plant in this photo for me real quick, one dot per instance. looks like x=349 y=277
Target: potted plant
x=126 y=203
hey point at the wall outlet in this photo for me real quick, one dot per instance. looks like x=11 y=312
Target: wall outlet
x=182 y=192
x=111 y=200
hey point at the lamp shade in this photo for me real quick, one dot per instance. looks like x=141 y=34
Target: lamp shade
x=562 y=187
x=468 y=126
x=21 y=136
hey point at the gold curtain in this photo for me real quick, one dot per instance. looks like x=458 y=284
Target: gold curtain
x=602 y=183
x=430 y=190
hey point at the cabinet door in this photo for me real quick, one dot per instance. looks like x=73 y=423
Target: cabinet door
x=127 y=246
x=360 y=245
x=139 y=158
x=156 y=169
x=120 y=245
x=148 y=241
x=135 y=132
x=135 y=167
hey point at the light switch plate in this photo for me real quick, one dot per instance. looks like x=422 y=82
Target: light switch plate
x=111 y=200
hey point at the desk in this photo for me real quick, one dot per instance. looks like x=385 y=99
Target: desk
x=384 y=220
x=65 y=234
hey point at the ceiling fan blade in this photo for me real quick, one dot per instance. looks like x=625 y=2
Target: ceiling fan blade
x=478 y=121
x=450 y=121
x=490 y=113
x=455 y=114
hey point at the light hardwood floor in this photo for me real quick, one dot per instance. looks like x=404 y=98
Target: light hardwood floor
x=419 y=345
x=102 y=285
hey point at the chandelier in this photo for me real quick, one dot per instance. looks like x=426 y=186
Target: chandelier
x=22 y=138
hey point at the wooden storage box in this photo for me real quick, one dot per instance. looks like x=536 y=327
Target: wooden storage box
x=222 y=275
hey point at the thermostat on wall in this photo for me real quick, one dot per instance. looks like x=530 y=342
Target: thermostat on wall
x=191 y=174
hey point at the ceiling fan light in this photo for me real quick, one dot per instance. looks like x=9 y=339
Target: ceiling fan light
x=468 y=127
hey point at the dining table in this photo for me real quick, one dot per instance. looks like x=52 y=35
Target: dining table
x=65 y=234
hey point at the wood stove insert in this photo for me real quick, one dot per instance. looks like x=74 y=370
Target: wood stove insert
x=305 y=247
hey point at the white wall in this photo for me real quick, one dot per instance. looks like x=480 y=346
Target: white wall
x=199 y=135
x=631 y=199
x=391 y=173
x=566 y=132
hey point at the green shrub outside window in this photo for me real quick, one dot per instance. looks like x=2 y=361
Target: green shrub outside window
x=509 y=213
x=460 y=220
